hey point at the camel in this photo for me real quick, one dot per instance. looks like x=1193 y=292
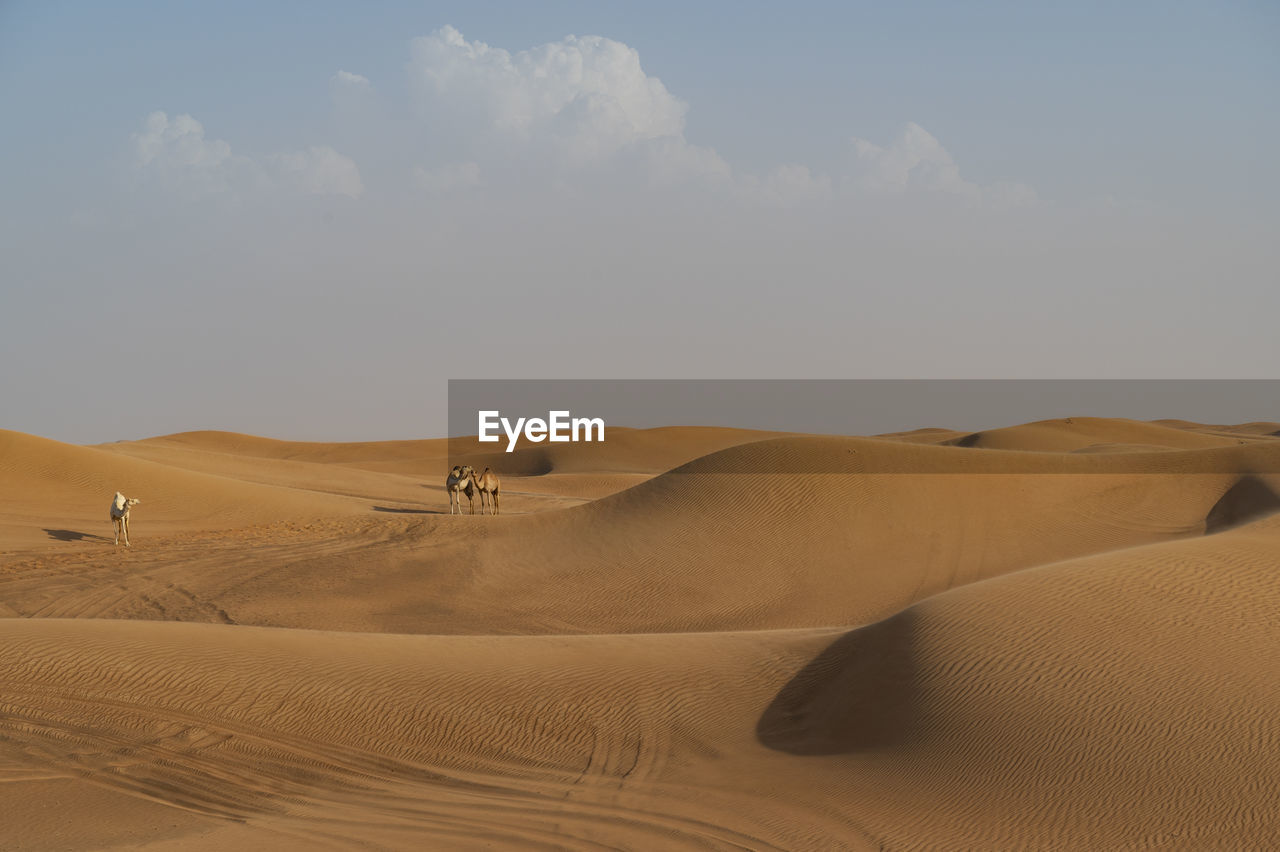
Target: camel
x=120 y=507
x=460 y=480
x=487 y=483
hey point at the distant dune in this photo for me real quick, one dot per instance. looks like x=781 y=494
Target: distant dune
x=1057 y=635
x=1077 y=433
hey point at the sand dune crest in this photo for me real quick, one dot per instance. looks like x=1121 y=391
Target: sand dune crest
x=1056 y=635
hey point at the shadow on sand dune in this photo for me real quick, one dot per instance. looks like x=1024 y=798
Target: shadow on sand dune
x=395 y=511
x=1248 y=500
x=860 y=694
x=72 y=535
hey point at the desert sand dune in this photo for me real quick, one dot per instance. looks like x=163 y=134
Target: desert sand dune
x=686 y=551
x=393 y=471
x=378 y=738
x=322 y=452
x=696 y=550
x=928 y=435
x=55 y=491
x=1123 y=700
x=283 y=470
x=1057 y=635
x=626 y=450
x=1258 y=428
x=997 y=715
x=1078 y=432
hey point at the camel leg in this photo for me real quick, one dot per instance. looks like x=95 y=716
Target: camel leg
x=495 y=502
x=115 y=524
x=126 y=530
x=453 y=498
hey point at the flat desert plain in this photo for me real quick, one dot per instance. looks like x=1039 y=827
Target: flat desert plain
x=1057 y=635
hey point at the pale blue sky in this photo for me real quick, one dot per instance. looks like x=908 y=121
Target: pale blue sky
x=1154 y=99
x=1089 y=189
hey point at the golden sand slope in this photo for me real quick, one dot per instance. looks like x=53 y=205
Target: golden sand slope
x=1264 y=429
x=998 y=715
x=626 y=450
x=61 y=492
x=784 y=642
x=695 y=549
x=393 y=739
x=1076 y=433
x=1125 y=700
x=703 y=549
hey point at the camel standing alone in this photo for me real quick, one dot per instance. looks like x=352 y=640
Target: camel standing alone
x=487 y=483
x=460 y=479
x=120 y=507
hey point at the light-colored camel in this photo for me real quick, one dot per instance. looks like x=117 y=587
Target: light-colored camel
x=460 y=480
x=487 y=484
x=120 y=506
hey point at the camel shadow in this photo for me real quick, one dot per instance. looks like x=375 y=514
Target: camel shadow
x=72 y=535
x=861 y=694
x=407 y=511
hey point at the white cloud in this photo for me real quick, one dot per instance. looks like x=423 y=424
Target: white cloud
x=176 y=152
x=914 y=160
x=586 y=98
x=585 y=106
x=346 y=78
x=350 y=92
x=580 y=115
x=917 y=162
x=179 y=143
x=320 y=171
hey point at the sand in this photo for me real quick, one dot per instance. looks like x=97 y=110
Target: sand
x=1057 y=635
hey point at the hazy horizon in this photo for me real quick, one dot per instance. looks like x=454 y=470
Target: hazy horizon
x=303 y=221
